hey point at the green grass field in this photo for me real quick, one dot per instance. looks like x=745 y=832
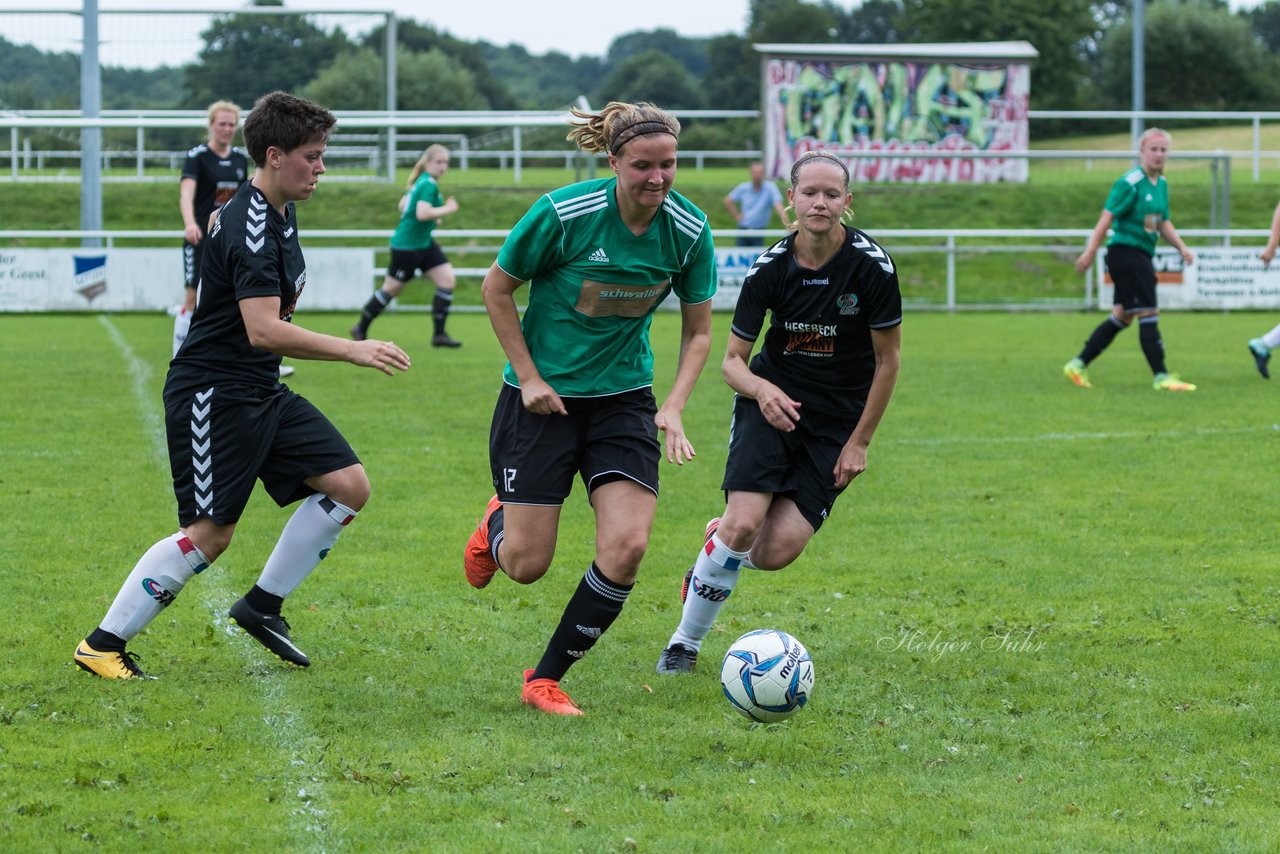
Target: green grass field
x=1044 y=619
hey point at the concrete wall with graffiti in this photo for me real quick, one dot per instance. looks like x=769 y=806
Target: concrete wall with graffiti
x=859 y=108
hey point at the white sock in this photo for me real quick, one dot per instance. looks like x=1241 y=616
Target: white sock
x=181 y=326
x=714 y=576
x=1272 y=339
x=156 y=580
x=307 y=537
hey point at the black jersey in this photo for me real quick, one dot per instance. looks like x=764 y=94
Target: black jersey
x=252 y=251
x=217 y=179
x=818 y=346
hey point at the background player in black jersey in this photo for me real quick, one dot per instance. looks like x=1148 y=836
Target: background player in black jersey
x=229 y=420
x=211 y=174
x=807 y=404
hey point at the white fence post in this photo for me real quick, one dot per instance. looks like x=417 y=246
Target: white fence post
x=516 y=140
x=951 y=272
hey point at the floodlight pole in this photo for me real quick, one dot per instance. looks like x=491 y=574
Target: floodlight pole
x=1139 y=72
x=390 y=48
x=90 y=138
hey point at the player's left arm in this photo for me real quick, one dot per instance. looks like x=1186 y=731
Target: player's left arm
x=268 y=332
x=695 y=344
x=425 y=211
x=1171 y=236
x=853 y=457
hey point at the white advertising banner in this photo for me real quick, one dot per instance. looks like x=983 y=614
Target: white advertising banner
x=732 y=265
x=151 y=279
x=1218 y=278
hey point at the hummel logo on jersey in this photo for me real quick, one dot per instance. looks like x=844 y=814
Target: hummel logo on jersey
x=255 y=223
x=288 y=232
x=599 y=256
x=881 y=257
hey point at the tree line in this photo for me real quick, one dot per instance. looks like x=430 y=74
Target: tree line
x=1199 y=56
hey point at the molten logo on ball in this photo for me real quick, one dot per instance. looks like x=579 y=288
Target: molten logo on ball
x=767 y=675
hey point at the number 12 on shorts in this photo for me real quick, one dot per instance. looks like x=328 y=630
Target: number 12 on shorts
x=508 y=480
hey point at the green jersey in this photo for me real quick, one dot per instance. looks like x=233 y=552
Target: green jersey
x=593 y=285
x=1139 y=206
x=413 y=233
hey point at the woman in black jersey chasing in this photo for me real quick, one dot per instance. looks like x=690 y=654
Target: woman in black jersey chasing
x=809 y=402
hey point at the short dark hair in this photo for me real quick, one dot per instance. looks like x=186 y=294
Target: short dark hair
x=285 y=121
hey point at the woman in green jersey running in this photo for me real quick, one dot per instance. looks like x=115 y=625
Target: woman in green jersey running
x=577 y=398
x=413 y=249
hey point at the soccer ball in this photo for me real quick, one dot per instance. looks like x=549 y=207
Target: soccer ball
x=767 y=675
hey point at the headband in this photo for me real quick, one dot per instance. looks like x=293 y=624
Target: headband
x=818 y=155
x=640 y=128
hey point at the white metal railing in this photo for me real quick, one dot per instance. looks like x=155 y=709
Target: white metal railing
x=955 y=243
x=515 y=120
x=28 y=159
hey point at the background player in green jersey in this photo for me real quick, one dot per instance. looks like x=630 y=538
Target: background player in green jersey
x=413 y=249
x=1260 y=348
x=1138 y=207
x=577 y=399
x=809 y=402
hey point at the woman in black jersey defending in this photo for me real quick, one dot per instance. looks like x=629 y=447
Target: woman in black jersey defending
x=230 y=423
x=809 y=402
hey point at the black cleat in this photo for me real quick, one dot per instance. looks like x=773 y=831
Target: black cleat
x=270 y=630
x=677 y=658
x=1261 y=355
x=358 y=333
x=443 y=340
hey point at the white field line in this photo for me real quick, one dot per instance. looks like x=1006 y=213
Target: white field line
x=293 y=738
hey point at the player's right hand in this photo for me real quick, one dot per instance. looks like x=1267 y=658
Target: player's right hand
x=383 y=355
x=540 y=398
x=780 y=411
x=1084 y=261
x=192 y=234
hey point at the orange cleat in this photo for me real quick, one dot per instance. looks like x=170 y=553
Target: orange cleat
x=477 y=560
x=545 y=695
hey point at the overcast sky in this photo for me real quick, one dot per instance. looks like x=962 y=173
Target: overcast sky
x=575 y=27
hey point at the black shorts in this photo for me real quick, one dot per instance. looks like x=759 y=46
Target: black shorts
x=534 y=457
x=405 y=263
x=191 y=254
x=223 y=438
x=799 y=465
x=1134 y=277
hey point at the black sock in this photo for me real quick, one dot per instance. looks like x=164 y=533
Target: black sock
x=374 y=307
x=1152 y=344
x=440 y=309
x=496 y=519
x=105 y=641
x=1102 y=336
x=594 y=606
x=264 y=602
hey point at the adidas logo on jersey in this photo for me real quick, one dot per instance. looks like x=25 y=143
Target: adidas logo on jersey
x=599 y=256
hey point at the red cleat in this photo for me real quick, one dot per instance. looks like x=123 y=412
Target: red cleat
x=477 y=559
x=545 y=695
